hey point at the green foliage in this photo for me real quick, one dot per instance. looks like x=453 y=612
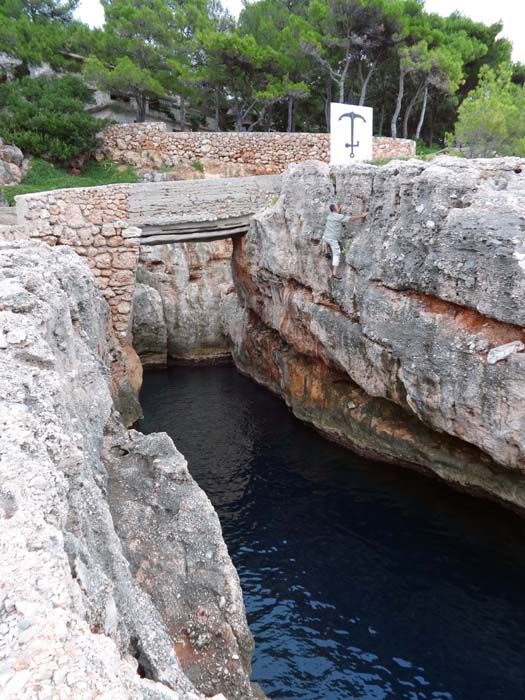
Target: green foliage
x=43 y=11
x=422 y=149
x=197 y=165
x=277 y=68
x=43 y=176
x=35 y=31
x=133 y=53
x=491 y=120
x=47 y=117
x=125 y=77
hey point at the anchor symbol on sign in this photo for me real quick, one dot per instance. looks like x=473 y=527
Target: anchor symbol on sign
x=353 y=116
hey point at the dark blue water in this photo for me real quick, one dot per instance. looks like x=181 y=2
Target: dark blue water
x=360 y=580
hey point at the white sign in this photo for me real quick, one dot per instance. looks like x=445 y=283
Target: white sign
x=350 y=133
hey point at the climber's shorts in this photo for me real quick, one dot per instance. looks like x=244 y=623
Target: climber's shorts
x=336 y=251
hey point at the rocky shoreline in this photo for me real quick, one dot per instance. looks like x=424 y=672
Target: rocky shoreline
x=399 y=360
x=105 y=589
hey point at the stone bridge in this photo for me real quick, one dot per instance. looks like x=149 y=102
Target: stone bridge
x=107 y=225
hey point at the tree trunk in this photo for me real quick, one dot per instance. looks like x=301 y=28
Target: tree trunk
x=401 y=91
x=239 y=120
x=217 y=109
x=422 y=115
x=291 y=114
x=341 y=90
x=410 y=107
x=342 y=80
x=327 y=102
x=266 y=117
x=141 y=107
x=364 y=83
x=182 y=113
x=381 y=120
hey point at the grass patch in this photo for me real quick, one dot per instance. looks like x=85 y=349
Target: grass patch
x=198 y=166
x=43 y=176
x=423 y=150
x=379 y=161
x=385 y=160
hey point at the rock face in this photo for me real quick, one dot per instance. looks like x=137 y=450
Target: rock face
x=76 y=616
x=172 y=538
x=393 y=359
x=176 y=306
x=13 y=166
x=150 y=336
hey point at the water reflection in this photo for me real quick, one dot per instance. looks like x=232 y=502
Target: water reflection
x=360 y=580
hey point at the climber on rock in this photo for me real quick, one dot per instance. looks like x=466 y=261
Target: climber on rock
x=333 y=233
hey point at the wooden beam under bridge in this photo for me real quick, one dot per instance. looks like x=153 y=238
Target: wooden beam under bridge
x=165 y=232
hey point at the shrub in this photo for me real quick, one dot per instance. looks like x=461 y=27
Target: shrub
x=422 y=149
x=46 y=117
x=492 y=117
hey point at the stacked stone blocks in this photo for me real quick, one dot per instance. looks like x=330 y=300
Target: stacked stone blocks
x=150 y=145
x=93 y=221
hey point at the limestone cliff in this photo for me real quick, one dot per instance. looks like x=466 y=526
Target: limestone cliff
x=394 y=359
x=176 y=304
x=115 y=582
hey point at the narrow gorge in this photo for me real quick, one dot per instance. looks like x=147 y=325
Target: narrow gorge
x=116 y=581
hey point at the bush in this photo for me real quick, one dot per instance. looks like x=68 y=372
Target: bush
x=423 y=150
x=46 y=117
x=492 y=117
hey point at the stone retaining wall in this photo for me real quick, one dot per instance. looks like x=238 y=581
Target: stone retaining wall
x=150 y=145
x=93 y=221
x=384 y=147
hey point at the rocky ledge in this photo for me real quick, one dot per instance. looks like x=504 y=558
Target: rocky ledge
x=415 y=356
x=115 y=582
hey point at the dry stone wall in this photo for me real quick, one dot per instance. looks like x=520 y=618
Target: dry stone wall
x=93 y=221
x=384 y=147
x=150 y=145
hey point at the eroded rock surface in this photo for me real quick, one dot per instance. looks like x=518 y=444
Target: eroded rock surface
x=176 y=306
x=13 y=166
x=76 y=620
x=172 y=538
x=392 y=360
